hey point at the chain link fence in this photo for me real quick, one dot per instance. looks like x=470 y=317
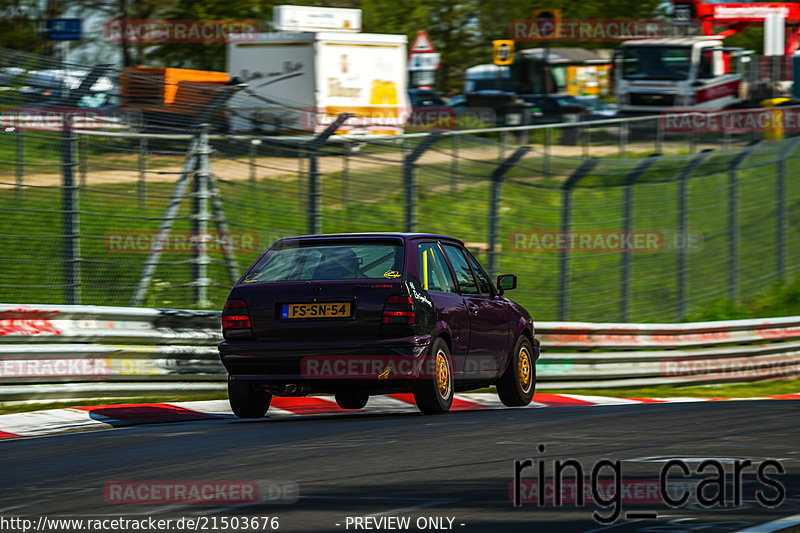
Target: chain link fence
x=605 y=221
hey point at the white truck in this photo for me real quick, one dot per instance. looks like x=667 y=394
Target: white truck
x=656 y=75
x=304 y=79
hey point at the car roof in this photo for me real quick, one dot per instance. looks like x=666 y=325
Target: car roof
x=372 y=235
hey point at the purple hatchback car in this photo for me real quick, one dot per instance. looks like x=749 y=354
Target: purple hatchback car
x=375 y=313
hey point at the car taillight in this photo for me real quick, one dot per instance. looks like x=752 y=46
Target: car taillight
x=399 y=310
x=235 y=315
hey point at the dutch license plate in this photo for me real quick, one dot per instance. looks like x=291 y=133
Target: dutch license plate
x=316 y=310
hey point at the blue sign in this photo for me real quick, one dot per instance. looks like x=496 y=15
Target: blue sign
x=64 y=29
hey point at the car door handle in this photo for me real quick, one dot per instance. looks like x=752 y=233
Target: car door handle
x=473 y=308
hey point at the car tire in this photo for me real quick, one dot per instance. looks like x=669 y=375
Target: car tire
x=351 y=399
x=517 y=384
x=434 y=391
x=246 y=400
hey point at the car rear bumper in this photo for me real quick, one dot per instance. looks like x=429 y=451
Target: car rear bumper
x=294 y=362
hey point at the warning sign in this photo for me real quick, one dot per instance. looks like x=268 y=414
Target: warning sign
x=422 y=44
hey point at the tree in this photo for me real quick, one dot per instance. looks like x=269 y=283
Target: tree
x=20 y=26
x=208 y=56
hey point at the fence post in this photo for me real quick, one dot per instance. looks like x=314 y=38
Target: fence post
x=627 y=222
x=586 y=139
x=254 y=144
x=454 y=165
x=623 y=139
x=199 y=218
x=659 y=136
x=314 y=186
x=346 y=176
x=733 y=221
x=683 y=217
x=20 y=167
x=546 y=154
x=142 y=171
x=70 y=209
x=566 y=214
x=494 y=202
x=410 y=178
x=82 y=158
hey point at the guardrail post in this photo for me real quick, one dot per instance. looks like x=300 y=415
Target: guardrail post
x=494 y=202
x=314 y=186
x=410 y=178
x=733 y=221
x=566 y=213
x=627 y=222
x=780 y=229
x=199 y=219
x=683 y=217
x=142 y=171
x=623 y=139
x=20 y=167
x=70 y=209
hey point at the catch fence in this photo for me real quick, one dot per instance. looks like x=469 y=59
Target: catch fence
x=617 y=220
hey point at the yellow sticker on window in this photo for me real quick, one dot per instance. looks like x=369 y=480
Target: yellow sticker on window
x=391 y=274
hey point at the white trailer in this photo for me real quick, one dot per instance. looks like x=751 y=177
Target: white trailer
x=303 y=80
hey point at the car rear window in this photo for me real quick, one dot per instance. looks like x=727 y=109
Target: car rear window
x=329 y=262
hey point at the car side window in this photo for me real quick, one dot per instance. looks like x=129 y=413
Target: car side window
x=433 y=271
x=463 y=272
x=484 y=285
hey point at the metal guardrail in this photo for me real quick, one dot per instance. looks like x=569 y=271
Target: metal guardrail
x=50 y=352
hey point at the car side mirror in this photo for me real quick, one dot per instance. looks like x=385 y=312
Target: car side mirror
x=506 y=282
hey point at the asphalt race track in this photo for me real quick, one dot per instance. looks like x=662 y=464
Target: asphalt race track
x=456 y=468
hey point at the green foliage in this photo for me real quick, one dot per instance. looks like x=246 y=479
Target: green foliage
x=208 y=56
x=780 y=300
x=20 y=34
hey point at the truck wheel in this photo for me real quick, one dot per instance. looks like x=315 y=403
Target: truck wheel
x=515 y=387
x=246 y=400
x=351 y=399
x=433 y=392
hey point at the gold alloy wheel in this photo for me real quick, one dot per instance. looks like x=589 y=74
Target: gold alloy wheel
x=524 y=369
x=442 y=374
